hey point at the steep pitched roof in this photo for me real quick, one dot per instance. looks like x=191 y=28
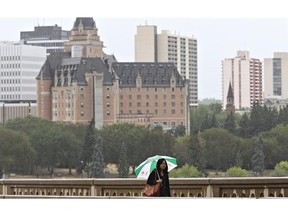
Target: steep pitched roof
x=52 y=61
x=152 y=74
x=78 y=67
x=87 y=22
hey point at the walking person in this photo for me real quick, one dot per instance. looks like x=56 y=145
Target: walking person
x=160 y=174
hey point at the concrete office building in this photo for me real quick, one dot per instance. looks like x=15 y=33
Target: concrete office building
x=51 y=37
x=19 y=66
x=167 y=47
x=276 y=76
x=245 y=75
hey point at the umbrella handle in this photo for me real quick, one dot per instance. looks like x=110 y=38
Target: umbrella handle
x=158 y=175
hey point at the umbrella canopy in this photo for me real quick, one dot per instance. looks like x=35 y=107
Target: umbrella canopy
x=146 y=167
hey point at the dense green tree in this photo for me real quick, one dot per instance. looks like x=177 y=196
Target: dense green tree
x=283 y=116
x=196 y=153
x=216 y=108
x=276 y=148
x=179 y=131
x=257 y=160
x=213 y=121
x=69 y=150
x=16 y=153
x=205 y=123
x=220 y=148
x=257 y=119
x=181 y=150
x=229 y=123
x=197 y=117
x=244 y=130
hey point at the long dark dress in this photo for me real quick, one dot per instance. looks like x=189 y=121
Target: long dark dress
x=165 y=186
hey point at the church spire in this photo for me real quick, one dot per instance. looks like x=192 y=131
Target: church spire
x=230 y=107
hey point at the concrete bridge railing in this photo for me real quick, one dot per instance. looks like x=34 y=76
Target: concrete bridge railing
x=128 y=187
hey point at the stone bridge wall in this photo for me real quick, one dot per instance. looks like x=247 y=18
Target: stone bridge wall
x=127 y=187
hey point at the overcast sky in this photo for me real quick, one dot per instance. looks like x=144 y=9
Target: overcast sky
x=218 y=37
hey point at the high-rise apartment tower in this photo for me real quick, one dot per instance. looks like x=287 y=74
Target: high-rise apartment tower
x=245 y=75
x=167 y=47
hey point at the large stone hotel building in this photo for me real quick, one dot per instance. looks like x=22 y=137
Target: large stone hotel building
x=84 y=83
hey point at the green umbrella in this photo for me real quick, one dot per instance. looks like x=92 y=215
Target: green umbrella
x=146 y=167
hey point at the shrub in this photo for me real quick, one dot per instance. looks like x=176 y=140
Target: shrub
x=236 y=172
x=281 y=169
x=185 y=171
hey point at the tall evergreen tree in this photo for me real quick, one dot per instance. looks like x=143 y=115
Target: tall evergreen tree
x=244 y=130
x=89 y=142
x=123 y=164
x=257 y=160
x=97 y=165
x=283 y=115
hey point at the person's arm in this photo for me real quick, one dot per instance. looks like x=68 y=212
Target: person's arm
x=152 y=178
